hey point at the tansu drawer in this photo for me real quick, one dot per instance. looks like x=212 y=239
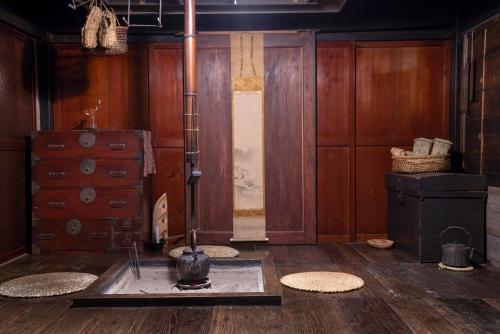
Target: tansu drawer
x=75 y=236
x=81 y=144
x=71 y=235
x=87 y=203
x=88 y=171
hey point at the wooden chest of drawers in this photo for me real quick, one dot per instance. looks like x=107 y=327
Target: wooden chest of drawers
x=87 y=191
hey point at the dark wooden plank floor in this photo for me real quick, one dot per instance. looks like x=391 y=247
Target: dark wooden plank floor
x=400 y=296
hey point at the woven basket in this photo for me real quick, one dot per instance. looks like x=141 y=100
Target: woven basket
x=107 y=30
x=421 y=164
x=120 y=46
x=89 y=30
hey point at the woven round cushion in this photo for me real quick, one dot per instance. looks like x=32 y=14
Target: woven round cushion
x=443 y=266
x=45 y=285
x=323 y=281
x=380 y=243
x=211 y=251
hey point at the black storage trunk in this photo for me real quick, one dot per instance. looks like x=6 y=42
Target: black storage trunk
x=421 y=206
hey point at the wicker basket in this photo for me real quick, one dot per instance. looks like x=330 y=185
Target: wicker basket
x=120 y=46
x=107 y=30
x=89 y=30
x=421 y=164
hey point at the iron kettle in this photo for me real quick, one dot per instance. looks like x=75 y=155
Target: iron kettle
x=456 y=254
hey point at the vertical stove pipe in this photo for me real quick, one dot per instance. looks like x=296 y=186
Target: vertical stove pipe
x=191 y=113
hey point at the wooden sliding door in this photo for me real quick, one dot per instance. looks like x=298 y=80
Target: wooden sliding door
x=373 y=96
x=289 y=113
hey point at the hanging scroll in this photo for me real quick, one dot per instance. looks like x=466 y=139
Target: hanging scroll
x=247 y=83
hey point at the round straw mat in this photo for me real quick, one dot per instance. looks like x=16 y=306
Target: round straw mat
x=45 y=285
x=443 y=266
x=323 y=281
x=211 y=251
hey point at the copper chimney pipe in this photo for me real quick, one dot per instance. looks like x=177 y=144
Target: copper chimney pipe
x=190 y=111
x=190 y=81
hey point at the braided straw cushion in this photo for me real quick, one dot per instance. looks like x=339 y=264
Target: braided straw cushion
x=323 y=281
x=45 y=285
x=443 y=266
x=211 y=251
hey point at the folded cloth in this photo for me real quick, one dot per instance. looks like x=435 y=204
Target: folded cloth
x=149 y=159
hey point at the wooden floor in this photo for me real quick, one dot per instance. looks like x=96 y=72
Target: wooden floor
x=400 y=296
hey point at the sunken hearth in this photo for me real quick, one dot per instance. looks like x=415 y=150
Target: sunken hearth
x=232 y=282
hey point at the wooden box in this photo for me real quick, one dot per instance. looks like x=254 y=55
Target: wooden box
x=87 y=191
x=421 y=206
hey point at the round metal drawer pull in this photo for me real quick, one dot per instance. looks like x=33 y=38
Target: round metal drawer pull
x=73 y=227
x=87 y=166
x=87 y=195
x=87 y=139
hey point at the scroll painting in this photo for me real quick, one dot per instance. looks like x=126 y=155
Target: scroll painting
x=247 y=76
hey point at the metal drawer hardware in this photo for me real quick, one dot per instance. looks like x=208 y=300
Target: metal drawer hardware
x=46 y=236
x=57 y=205
x=99 y=235
x=127 y=223
x=56 y=147
x=87 y=166
x=73 y=227
x=118 y=173
x=87 y=139
x=87 y=195
x=117 y=204
x=117 y=146
x=56 y=175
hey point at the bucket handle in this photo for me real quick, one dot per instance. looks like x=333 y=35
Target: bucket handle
x=456 y=228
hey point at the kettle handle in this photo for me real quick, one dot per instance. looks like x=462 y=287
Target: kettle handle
x=456 y=228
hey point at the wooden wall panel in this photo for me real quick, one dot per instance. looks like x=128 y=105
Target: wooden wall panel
x=80 y=81
x=167 y=126
x=283 y=123
x=289 y=126
x=169 y=179
x=335 y=93
x=372 y=162
x=166 y=94
x=17 y=119
x=491 y=128
x=473 y=112
x=334 y=217
x=12 y=203
x=402 y=91
x=336 y=142
x=289 y=138
x=480 y=126
x=215 y=192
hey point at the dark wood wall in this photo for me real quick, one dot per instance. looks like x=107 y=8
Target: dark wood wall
x=372 y=96
x=480 y=84
x=17 y=115
x=144 y=88
x=139 y=90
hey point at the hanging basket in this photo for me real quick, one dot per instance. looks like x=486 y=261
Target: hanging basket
x=107 y=30
x=91 y=27
x=120 y=47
